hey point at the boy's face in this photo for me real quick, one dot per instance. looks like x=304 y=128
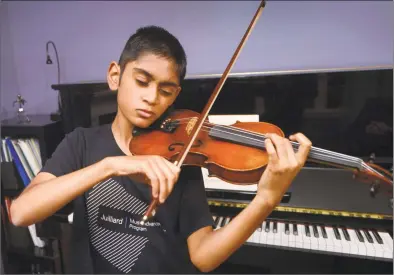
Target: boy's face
x=148 y=87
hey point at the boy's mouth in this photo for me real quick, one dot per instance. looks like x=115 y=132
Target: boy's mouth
x=145 y=113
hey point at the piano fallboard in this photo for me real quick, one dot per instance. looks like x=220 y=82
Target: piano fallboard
x=325 y=191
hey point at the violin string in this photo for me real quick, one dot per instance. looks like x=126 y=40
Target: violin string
x=314 y=149
x=315 y=152
x=315 y=155
x=321 y=156
x=264 y=136
x=258 y=142
x=318 y=152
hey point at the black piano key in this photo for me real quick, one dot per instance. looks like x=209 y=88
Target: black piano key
x=336 y=232
x=359 y=236
x=223 y=222
x=323 y=231
x=315 y=232
x=377 y=237
x=275 y=227
x=267 y=226
x=369 y=237
x=287 y=229
x=308 y=233
x=346 y=234
x=217 y=221
x=295 y=229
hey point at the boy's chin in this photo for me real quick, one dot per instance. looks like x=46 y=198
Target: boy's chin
x=142 y=123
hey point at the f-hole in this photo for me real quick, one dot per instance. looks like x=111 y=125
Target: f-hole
x=171 y=147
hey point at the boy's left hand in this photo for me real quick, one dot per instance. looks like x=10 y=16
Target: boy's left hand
x=283 y=165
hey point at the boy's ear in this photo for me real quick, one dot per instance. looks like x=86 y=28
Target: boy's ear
x=113 y=76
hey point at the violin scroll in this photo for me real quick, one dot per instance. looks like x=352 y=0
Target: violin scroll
x=375 y=175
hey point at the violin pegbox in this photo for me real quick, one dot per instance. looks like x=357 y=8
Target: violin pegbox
x=169 y=125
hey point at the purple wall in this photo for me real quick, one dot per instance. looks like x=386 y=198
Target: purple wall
x=88 y=35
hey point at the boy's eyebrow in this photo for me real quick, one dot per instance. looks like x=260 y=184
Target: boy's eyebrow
x=147 y=74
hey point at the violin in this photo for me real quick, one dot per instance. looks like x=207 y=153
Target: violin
x=234 y=153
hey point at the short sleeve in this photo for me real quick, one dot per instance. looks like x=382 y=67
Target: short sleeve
x=68 y=155
x=194 y=208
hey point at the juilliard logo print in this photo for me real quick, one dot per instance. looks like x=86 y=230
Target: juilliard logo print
x=109 y=218
x=115 y=232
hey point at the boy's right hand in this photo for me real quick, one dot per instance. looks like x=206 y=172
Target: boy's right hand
x=153 y=170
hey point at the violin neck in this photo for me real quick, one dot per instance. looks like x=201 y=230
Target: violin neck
x=333 y=158
x=256 y=140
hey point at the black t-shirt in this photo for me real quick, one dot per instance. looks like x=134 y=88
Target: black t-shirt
x=118 y=243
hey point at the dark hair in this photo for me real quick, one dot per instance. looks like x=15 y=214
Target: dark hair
x=156 y=40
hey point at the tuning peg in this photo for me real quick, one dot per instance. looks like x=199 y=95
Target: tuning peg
x=374 y=188
x=372 y=158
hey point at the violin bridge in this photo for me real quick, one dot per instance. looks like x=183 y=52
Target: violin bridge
x=190 y=125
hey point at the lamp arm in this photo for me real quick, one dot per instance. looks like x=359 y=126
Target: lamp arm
x=58 y=69
x=57 y=59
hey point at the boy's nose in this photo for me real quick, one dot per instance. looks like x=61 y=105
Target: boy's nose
x=151 y=97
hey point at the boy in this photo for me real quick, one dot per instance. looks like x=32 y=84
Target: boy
x=94 y=168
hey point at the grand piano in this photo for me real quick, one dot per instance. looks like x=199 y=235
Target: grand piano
x=328 y=221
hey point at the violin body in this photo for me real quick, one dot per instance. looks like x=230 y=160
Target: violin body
x=232 y=162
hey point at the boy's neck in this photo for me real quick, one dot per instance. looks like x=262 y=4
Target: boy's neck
x=122 y=131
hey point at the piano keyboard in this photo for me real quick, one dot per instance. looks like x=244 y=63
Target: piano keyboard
x=365 y=243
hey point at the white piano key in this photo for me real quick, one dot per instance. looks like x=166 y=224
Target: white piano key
x=362 y=250
x=256 y=235
x=291 y=233
x=270 y=234
x=321 y=241
x=387 y=244
x=277 y=235
x=379 y=250
x=354 y=247
x=329 y=240
x=369 y=246
x=386 y=239
x=335 y=242
x=344 y=243
x=284 y=239
x=292 y=237
x=263 y=234
x=298 y=239
x=306 y=241
x=219 y=225
x=314 y=240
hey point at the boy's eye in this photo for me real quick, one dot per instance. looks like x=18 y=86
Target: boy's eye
x=166 y=93
x=142 y=83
